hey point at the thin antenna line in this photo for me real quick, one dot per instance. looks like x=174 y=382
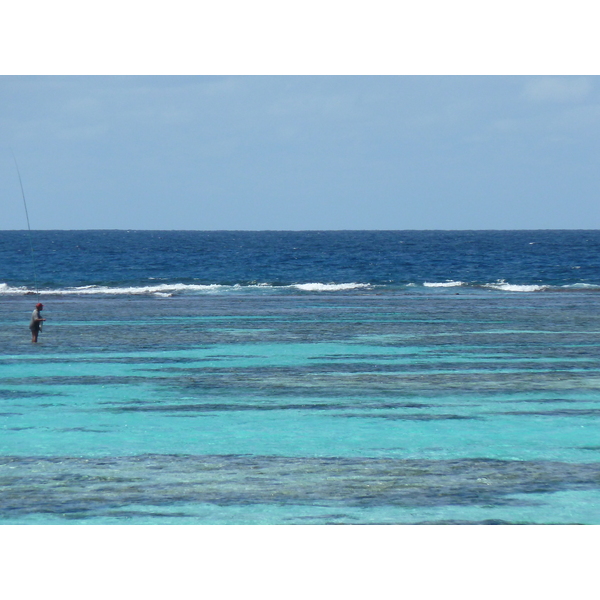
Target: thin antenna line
x=28 y=226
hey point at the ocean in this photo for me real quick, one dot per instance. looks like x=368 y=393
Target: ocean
x=310 y=377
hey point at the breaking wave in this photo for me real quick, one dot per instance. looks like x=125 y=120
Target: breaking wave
x=329 y=287
x=166 y=290
x=582 y=286
x=169 y=289
x=445 y=284
x=509 y=287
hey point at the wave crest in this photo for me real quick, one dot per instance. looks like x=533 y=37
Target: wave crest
x=501 y=284
x=164 y=290
x=445 y=284
x=329 y=287
x=169 y=289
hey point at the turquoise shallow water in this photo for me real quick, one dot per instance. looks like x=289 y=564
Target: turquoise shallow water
x=358 y=407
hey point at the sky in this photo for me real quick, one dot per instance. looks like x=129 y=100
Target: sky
x=300 y=152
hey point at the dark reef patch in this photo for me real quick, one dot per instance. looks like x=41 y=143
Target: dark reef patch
x=80 y=488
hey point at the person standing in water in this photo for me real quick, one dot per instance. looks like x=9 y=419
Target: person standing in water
x=35 y=324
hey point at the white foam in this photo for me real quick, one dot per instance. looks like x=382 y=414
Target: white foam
x=6 y=289
x=166 y=290
x=329 y=287
x=446 y=284
x=509 y=287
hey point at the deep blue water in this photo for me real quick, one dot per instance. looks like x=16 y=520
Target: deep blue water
x=382 y=258
x=301 y=377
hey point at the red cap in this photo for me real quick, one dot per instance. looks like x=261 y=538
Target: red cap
x=39 y=305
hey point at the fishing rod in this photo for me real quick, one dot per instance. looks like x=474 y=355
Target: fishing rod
x=28 y=226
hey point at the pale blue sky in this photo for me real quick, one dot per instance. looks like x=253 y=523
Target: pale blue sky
x=292 y=152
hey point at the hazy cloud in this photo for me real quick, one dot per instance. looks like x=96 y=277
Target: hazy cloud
x=557 y=89
x=300 y=152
